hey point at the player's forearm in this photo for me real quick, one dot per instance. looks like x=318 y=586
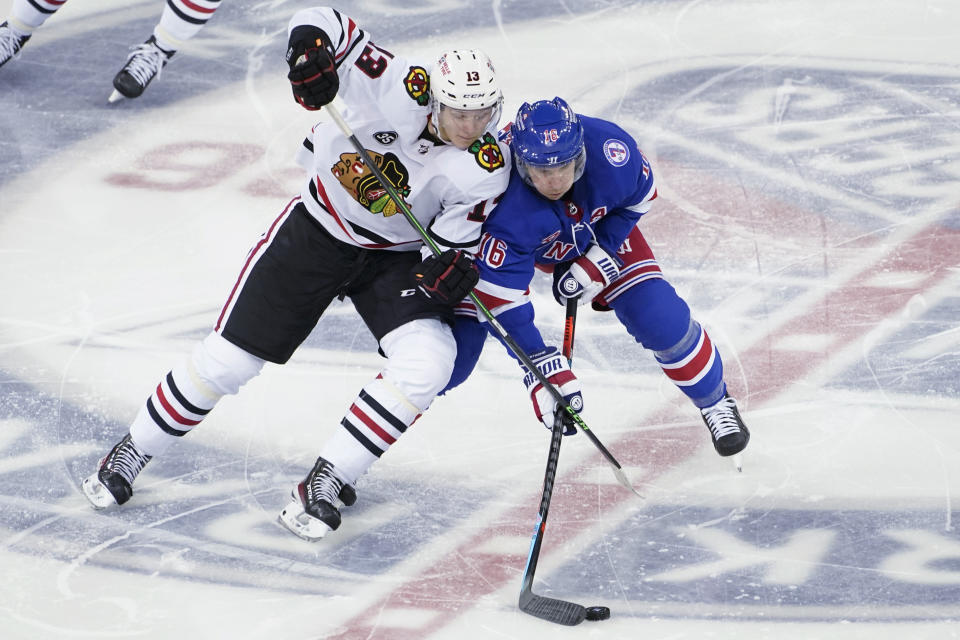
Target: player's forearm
x=519 y=323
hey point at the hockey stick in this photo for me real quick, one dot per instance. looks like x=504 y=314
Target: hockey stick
x=553 y=609
x=501 y=331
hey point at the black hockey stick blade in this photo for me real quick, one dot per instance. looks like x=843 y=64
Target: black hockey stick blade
x=551 y=609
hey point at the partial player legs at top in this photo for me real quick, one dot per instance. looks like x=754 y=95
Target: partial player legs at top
x=11 y=41
x=180 y=21
x=144 y=63
x=25 y=16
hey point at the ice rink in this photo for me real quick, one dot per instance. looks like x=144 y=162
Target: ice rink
x=808 y=163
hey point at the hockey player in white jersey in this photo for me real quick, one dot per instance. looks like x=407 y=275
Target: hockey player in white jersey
x=432 y=134
x=179 y=21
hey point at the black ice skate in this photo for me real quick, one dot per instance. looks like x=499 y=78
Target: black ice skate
x=113 y=481
x=11 y=41
x=313 y=508
x=730 y=436
x=143 y=65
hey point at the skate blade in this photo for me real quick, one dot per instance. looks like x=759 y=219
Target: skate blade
x=295 y=519
x=98 y=495
x=738 y=462
x=116 y=96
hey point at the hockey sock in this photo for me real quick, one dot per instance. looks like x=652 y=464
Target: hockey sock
x=185 y=396
x=694 y=365
x=174 y=408
x=181 y=21
x=375 y=420
x=26 y=16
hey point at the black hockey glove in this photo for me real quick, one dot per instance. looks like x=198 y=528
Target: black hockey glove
x=313 y=73
x=447 y=278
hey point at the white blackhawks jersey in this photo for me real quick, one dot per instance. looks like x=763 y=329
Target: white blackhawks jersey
x=450 y=191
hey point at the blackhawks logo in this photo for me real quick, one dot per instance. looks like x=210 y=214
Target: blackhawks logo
x=417 y=84
x=487 y=153
x=360 y=182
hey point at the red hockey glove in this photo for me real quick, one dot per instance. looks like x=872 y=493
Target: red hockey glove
x=555 y=369
x=447 y=278
x=313 y=74
x=586 y=276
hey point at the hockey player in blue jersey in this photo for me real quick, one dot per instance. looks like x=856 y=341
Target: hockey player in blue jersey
x=578 y=188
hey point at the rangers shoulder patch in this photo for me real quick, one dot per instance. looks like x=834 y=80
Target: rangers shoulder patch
x=487 y=153
x=417 y=84
x=616 y=151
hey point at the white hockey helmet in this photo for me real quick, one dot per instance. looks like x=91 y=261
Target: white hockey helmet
x=465 y=79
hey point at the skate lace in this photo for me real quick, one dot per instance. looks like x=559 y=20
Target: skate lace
x=10 y=43
x=323 y=485
x=720 y=418
x=126 y=460
x=145 y=62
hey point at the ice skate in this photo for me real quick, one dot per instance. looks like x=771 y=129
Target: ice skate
x=113 y=481
x=730 y=436
x=314 y=503
x=143 y=65
x=11 y=42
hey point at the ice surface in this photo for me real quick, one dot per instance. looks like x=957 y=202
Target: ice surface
x=807 y=157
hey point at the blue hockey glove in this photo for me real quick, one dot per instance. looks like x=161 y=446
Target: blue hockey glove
x=555 y=369
x=447 y=278
x=313 y=73
x=586 y=276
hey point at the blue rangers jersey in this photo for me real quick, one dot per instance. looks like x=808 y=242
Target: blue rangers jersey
x=527 y=230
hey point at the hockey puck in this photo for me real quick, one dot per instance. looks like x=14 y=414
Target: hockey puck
x=598 y=613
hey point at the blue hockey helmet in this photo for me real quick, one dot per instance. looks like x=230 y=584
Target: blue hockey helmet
x=547 y=134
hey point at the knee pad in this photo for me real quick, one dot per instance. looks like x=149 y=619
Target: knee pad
x=420 y=357
x=217 y=367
